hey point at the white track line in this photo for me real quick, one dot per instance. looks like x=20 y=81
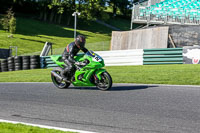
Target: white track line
x=44 y=126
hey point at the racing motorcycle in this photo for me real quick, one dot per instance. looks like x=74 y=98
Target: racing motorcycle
x=89 y=72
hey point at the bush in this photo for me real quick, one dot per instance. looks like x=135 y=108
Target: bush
x=8 y=22
x=105 y=16
x=5 y=23
x=12 y=25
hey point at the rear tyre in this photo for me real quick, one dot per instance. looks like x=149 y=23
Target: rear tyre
x=59 y=84
x=105 y=83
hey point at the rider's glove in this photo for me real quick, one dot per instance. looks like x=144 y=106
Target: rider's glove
x=79 y=63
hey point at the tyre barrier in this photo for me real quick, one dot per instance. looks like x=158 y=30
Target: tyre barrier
x=25 y=62
x=11 y=65
x=0 y=66
x=34 y=61
x=20 y=63
x=4 y=65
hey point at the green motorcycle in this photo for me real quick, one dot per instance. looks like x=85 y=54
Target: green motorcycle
x=89 y=72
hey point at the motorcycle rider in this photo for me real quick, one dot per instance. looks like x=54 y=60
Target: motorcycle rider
x=68 y=56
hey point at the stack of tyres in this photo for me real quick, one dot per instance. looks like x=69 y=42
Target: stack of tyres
x=4 y=65
x=18 y=63
x=0 y=66
x=26 y=62
x=11 y=65
x=35 y=61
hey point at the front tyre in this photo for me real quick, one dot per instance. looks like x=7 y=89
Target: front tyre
x=105 y=83
x=57 y=82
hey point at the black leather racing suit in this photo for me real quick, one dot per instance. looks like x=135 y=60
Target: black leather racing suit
x=68 y=56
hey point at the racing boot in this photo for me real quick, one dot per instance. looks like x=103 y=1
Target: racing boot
x=65 y=74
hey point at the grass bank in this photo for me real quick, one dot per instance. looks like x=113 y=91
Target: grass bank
x=122 y=24
x=147 y=74
x=20 y=128
x=32 y=34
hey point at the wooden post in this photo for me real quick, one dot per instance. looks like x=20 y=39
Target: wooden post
x=170 y=38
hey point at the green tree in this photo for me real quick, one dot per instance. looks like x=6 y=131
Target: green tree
x=43 y=9
x=5 y=21
x=57 y=11
x=54 y=8
x=68 y=8
x=12 y=25
x=124 y=6
x=93 y=9
x=113 y=4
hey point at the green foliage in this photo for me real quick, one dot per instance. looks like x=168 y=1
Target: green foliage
x=120 y=7
x=12 y=25
x=105 y=16
x=5 y=23
x=60 y=11
x=93 y=9
x=8 y=22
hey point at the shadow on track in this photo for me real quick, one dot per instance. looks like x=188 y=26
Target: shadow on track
x=117 y=88
x=127 y=88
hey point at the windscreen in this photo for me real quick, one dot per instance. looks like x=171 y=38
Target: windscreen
x=90 y=53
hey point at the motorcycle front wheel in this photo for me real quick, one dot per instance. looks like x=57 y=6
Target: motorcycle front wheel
x=59 y=83
x=105 y=83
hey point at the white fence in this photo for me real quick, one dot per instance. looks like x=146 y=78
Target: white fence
x=133 y=57
x=122 y=58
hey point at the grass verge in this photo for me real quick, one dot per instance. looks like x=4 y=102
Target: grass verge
x=20 y=128
x=147 y=74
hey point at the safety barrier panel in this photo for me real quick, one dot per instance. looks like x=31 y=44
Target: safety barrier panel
x=111 y=58
x=122 y=57
x=46 y=62
x=133 y=57
x=163 y=56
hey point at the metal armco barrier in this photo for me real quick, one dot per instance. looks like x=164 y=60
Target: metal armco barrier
x=163 y=56
x=46 y=62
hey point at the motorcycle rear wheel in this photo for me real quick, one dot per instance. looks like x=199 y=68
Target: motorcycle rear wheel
x=105 y=83
x=59 y=84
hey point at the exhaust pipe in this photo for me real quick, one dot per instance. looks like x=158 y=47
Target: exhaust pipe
x=56 y=75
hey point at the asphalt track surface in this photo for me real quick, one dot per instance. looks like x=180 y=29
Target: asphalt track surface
x=126 y=108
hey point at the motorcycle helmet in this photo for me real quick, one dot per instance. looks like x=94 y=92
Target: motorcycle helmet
x=80 y=41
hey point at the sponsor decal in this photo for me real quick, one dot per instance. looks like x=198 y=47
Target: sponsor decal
x=193 y=54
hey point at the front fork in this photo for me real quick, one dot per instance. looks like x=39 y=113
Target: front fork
x=98 y=73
